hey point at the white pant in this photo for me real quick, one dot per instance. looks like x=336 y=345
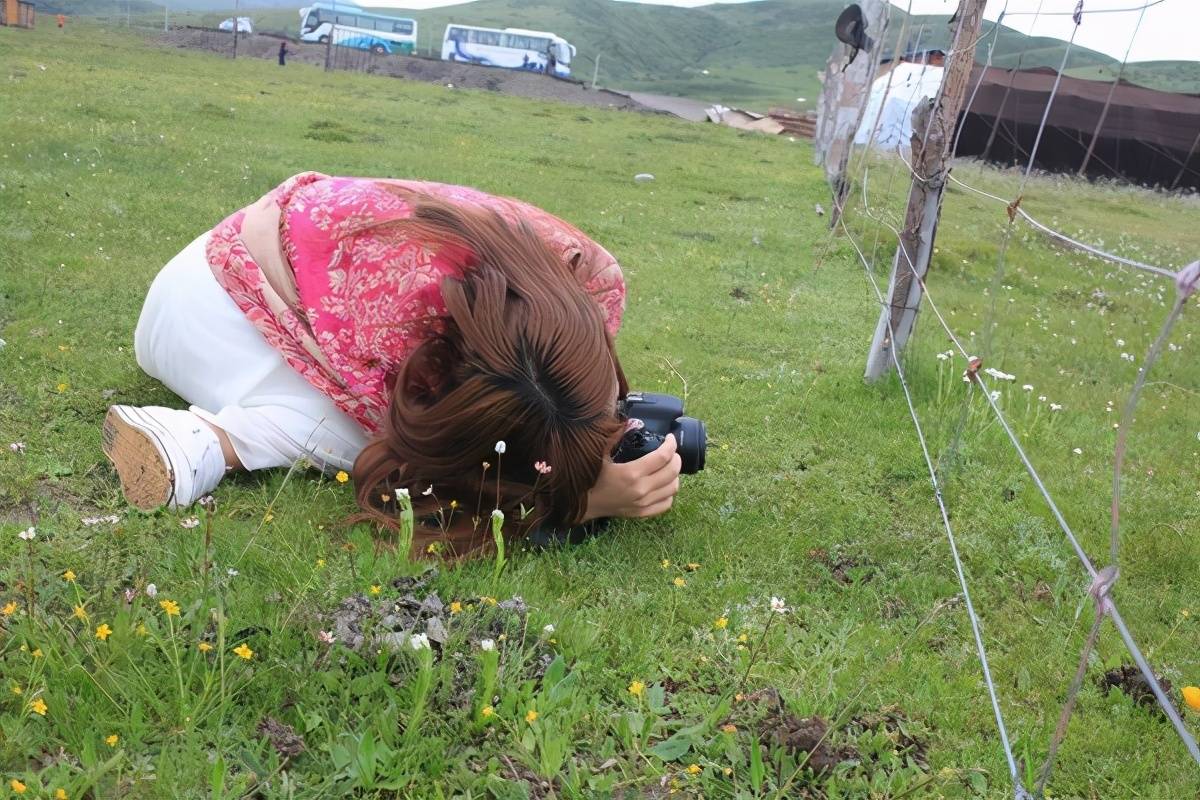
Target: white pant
x=194 y=338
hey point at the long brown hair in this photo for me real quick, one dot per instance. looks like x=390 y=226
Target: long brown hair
x=524 y=359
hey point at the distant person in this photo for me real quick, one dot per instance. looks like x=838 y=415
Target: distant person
x=397 y=330
x=551 y=61
x=62 y=20
x=283 y=51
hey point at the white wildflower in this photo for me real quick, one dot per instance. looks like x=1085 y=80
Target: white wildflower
x=151 y=591
x=1077 y=451
x=419 y=641
x=501 y=447
x=1055 y=407
x=189 y=523
x=402 y=493
x=28 y=534
x=487 y=644
x=778 y=606
x=548 y=630
x=326 y=637
x=497 y=514
x=19 y=447
x=998 y=375
x=428 y=491
x=1028 y=387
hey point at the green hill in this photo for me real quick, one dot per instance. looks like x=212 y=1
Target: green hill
x=751 y=54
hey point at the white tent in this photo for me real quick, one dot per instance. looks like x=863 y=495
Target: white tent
x=898 y=93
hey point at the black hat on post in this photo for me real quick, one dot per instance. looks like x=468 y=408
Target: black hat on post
x=851 y=29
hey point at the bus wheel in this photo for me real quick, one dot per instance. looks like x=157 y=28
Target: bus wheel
x=379 y=50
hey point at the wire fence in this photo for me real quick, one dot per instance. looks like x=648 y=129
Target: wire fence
x=874 y=215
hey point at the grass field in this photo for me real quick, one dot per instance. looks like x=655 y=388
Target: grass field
x=665 y=671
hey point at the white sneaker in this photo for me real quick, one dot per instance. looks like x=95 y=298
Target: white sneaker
x=163 y=456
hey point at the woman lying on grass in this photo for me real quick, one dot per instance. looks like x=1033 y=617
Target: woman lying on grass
x=399 y=330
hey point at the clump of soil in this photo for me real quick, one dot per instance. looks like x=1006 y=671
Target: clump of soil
x=1130 y=680
x=783 y=729
x=828 y=744
x=844 y=568
x=283 y=737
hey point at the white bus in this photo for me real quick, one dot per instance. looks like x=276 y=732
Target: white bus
x=351 y=26
x=511 y=48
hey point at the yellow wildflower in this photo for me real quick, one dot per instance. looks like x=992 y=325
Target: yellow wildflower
x=456 y=607
x=486 y=711
x=729 y=728
x=679 y=583
x=692 y=566
x=320 y=563
x=38 y=706
x=17 y=786
x=721 y=623
x=37 y=652
x=666 y=563
x=636 y=688
x=693 y=769
x=268 y=517
x=491 y=601
x=170 y=606
x=60 y=794
x=453 y=504
x=531 y=716
x=79 y=613
x=728 y=770
x=140 y=630
x=244 y=651
x=103 y=632
x=204 y=647
x=69 y=576
x=376 y=588
x=112 y=739
x=341 y=476
x=743 y=638
x=9 y=608
x=1191 y=696
x=62 y=387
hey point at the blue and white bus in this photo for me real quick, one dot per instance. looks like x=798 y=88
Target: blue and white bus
x=351 y=26
x=511 y=48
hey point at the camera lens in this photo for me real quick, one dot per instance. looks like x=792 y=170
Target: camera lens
x=692 y=437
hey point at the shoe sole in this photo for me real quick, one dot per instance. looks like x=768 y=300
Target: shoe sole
x=139 y=458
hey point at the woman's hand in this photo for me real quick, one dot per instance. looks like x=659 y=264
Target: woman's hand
x=642 y=488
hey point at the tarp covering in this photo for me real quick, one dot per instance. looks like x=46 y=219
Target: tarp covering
x=897 y=94
x=1146 y=136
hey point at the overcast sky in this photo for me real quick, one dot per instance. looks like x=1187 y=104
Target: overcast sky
x=1169 y=31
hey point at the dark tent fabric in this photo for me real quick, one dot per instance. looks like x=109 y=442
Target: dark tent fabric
x=1147 y=136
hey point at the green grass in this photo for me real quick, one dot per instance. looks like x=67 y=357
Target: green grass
x=117 y=154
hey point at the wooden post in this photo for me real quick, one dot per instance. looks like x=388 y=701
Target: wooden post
x=934 y=123
x=329 y=41
x=842 y=103
x=235 y=27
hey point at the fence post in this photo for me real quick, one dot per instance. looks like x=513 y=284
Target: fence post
x=596 y=70
x=841 y=105
x=934 y=123
x=235 y=27
x=329 y=41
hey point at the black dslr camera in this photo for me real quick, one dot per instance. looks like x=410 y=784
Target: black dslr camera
x=652 y=418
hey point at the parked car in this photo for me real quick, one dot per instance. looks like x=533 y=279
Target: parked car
x=243 y=25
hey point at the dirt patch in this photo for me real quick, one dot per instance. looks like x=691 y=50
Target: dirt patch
x=843 y=568
x=780 y=728
x=1129 y=679
x=447 y=73
x=283 y=737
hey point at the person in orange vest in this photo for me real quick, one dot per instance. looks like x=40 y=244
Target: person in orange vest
x=62 y=20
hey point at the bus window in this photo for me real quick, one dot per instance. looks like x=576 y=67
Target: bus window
x=405 y=27
x=491 y=38
x=312 y=21
x=349 y=20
